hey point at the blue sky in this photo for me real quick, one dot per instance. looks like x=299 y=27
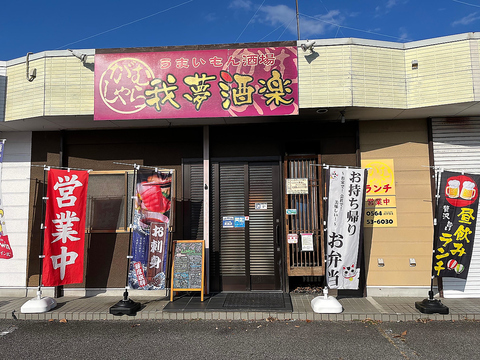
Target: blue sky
x=35 y=26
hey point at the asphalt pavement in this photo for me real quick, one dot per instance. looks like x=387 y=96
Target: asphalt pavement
x=249 y=339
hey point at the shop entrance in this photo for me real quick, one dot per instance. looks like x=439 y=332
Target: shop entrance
x=246 y=226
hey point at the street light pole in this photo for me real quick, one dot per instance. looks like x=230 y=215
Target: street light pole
x=298 y=23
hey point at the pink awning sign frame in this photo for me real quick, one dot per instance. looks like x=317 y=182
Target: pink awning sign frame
x=196 y=84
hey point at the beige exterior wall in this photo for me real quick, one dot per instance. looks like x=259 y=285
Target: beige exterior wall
x=340 y=73
x=352 y=75
x=69 y=86
x=380 y=75
x=406 y=142
x=24 y=98
x=327 y=78
x=444 y=74
x=63 y=86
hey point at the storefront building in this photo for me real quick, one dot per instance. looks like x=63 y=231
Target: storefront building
x=346 y=102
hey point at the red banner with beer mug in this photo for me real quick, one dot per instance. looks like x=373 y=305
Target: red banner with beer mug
x=65 y=227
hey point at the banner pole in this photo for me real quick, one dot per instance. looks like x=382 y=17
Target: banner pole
x=42 y=233
x=127 y=306
x=325 y=215
x=39 y=304
x=60 y=167
x=437 y=195
x=136 y=166
x=431 y=305
x=325 y=304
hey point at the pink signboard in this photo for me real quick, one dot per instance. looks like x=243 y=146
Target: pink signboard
x=200 y=83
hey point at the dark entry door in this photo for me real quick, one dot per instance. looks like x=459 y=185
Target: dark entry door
x=248 y=253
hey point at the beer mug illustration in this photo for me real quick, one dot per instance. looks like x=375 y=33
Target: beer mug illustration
x=452 y=190
x=468 y=190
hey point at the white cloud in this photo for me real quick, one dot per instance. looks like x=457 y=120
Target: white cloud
x=282 y=14
x=403 y=33
x=467 y=19
x=387 y=7
x=211 y=17
x=279 y=14
x=241 y=4
x=391 y=3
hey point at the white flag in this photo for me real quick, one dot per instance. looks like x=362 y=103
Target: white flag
x=344 y=226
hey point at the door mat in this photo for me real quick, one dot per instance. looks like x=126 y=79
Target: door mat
x=251 y=301
x=231 y=302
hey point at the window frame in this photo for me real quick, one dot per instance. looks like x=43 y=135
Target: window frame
x=129 y=192
x=122 y=229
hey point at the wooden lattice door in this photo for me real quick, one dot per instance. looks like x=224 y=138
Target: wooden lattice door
x=308 y=218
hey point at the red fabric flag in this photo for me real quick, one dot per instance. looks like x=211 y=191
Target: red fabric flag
x=65 y=227
x=5 y=249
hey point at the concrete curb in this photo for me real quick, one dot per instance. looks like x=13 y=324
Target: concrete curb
x=355 y=309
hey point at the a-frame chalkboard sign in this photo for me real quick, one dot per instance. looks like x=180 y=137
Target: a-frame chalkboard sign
x=188 y=266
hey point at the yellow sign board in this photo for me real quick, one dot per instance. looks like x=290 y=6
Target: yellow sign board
x=381 y=180
x=386 y=217
x=380 y=201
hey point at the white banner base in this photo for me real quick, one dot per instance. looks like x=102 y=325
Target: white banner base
x=325 y=304
x=38 y=304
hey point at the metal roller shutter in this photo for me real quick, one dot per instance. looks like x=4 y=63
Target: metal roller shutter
x=262 y=238
x=196 y=200
x=456 y=147
x=232 y=203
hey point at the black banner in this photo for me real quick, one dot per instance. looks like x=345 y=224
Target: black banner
x=456 y=219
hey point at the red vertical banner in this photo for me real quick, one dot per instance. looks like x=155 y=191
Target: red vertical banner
x=5 y=248
x=65 y=227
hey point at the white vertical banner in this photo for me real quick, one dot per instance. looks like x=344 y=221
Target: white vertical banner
x=346 y=193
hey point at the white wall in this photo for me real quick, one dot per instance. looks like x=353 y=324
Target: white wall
x=15 y=198
x=3 y=88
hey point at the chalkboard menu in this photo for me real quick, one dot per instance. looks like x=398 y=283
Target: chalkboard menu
x=187 y=266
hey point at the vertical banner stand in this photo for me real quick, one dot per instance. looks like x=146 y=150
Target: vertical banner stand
x=40 y=304
x=431 y=305
x=325 y=304
x=127 y=306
